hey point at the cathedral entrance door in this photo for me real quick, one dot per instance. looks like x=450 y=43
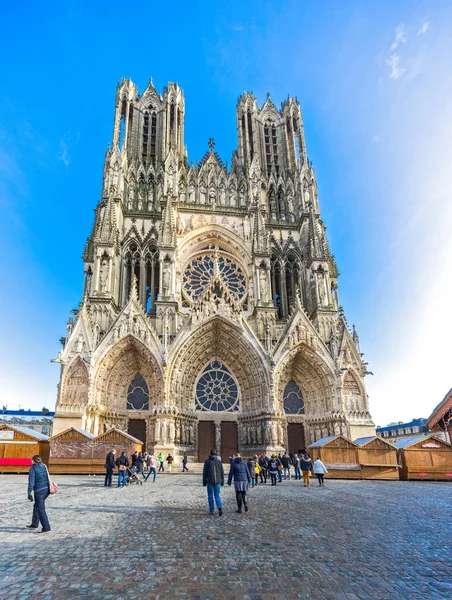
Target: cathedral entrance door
x=137 y=428
x=295 y=435
x=229 y=441
x=206 y=439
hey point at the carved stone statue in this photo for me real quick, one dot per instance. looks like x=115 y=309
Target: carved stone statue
x=264 y=285
x=166 y=280
x=172 y=432
x=103 y=274
x=157 y=431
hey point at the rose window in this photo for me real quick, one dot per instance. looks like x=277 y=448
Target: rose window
x=217 y=389
x=201 y=270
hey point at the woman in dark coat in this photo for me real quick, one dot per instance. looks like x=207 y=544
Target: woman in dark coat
x=240 y=473
x=38 y=483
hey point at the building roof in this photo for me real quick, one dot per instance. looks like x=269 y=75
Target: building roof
x=364 y=440
x=27 y=413
x=124 y=433
x=323 y=441
x=409 y=441
x=28 y=431
x=413 y=423
x=84 y=432
x=443 y=407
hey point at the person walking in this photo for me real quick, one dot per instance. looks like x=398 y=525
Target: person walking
x=152 y=467
x=320 y=470
x=140 y=465
x=169 y=460
x=160 y=459
x=252 y=469
x=122 y=463
x=109 y=467
x=273 y=468
x=39 y=484
x=296 y=465
x=285 y=460
x=213 y=479
x=184 y=462
x=240 y=474
x=306 y=468
x=263 y=463
x=280 y=467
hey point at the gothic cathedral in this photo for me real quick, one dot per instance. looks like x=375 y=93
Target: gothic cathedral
x=210 y=315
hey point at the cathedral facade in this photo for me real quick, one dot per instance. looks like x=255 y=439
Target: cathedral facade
x=210 y=314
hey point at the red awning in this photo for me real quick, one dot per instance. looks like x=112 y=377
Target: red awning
x=16 y=462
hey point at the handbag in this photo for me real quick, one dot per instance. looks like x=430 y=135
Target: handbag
x=53 y=487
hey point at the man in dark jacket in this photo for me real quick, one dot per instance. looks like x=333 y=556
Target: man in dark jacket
x=240 y=473
x=139 y=464
x=109 y=467
x=213 y=478
x=38 y=482
x=122 y=463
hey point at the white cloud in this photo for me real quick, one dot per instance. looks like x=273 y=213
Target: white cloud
x=424 y=27
x=63 y=153
x=400 y=37
x=393 y=62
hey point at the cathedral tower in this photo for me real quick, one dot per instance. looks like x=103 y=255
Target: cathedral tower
x=210 y=314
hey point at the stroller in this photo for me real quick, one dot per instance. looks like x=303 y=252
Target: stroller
x=132 y=476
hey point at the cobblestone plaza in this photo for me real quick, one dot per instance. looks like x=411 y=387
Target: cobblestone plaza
x=349 y=540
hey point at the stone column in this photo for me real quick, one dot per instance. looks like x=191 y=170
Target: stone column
x=142 y=290
x=218 y=438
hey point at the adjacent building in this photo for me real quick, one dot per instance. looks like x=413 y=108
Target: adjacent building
x=210 y=315
x=40 y=421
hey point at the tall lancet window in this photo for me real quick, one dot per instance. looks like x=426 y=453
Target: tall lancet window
x=144 y=150
x=293 y=399
x=271 y=147
x=122 y=125
x=244 y=137
x=250 y=136
x=153 y=149
x=297 y=141
x=138 y=394
x=171 y=125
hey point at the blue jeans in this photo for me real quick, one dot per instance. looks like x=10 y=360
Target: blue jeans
x=279 y=475
x=286 y=472
x=152 y=470
x=253 y=481
x=297 y=473
x=213 y=491
x=39 y=511
x=122 y=478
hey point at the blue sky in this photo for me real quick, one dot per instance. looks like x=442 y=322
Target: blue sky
x=375 y=86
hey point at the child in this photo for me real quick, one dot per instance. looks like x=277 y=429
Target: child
x=251 y=468
x=306 y=466
x=257 y=471
x=320 y=470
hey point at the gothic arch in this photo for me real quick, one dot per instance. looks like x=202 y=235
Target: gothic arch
x=311 y=375
x=75 y=386
x=214 y=234
x=117 y=368
x=218 y=338
x=353 y=394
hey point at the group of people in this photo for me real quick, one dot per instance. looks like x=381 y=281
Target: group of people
x=140 y=463
x=246 y=473
x=243 y=473
x=279 y=467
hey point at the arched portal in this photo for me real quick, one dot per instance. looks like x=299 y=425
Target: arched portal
x=128 y=383
x=219 y=374
x=304 y=392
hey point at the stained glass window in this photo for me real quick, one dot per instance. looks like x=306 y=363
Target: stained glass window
x=293 y=399
x=217 y=389
x=138 y=394
x=200 y=271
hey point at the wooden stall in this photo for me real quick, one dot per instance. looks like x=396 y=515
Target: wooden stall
x=113 y=439
x=71 y=451
x=18 y=445
x=378 y=458
x=339 y=455
x=424 y=457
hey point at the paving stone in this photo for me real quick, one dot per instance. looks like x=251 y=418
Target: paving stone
x=351 y=540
